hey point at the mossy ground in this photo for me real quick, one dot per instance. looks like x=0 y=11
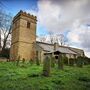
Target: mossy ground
x=29 y=77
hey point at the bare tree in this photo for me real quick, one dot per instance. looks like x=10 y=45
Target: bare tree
x=57 y=38
x=41 y=38
x=51 y=38
x=5 y=28
x=61 y=39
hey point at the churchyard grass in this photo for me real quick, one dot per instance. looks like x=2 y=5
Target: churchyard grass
x=29 y=77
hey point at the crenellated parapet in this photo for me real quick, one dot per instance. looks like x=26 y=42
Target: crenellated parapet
x=22 y=13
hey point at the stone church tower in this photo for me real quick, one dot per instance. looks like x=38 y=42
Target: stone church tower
x=23 y=36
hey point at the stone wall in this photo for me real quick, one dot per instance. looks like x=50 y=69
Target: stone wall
x=23 y=37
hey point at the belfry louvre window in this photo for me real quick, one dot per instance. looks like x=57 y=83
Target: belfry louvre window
x=28 y=24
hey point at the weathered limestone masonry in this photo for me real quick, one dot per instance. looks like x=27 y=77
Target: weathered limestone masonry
x=23 y=36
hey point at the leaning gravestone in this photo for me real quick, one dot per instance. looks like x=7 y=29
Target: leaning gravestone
x=46 y=66
x=71 y=62
x=37 y=61
x=80 y=61
x=52 y=61
x=18 y=61
x=60 y=62
x=23 y=60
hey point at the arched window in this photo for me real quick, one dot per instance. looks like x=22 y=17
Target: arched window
x=28 y=24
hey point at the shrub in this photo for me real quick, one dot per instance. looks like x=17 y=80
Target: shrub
x=85 y=79
x=56 y=81
x=33 y=75
x=46 y=66
x=86 y=60
x=5 y=53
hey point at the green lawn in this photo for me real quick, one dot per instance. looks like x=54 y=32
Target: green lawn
x=29 y=77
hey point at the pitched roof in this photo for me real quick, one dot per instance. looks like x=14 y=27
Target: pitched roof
x=63 y=49
x=78 y=51
x=46 y=46
x=38 y=47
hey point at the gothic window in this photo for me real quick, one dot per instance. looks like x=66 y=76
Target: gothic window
x=28 y=24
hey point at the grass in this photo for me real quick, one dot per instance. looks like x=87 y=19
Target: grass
x=29 y=77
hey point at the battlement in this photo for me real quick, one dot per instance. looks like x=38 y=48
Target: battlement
x=21 y=13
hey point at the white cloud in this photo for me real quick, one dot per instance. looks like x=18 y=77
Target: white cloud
x=87 y=54
x=80 y=36
x=49 y=15
x=60 y=16
x=85 y=38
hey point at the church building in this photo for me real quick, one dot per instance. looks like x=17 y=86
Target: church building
x=24 y=44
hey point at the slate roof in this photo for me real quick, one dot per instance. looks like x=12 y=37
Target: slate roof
x=63 y=49
x=79 y=51
x=46 y=47
x=38 y=47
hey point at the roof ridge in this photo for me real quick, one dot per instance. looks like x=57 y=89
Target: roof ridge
x=71 y=47
x=59 y=45
x=73 y=50
x=44 y=43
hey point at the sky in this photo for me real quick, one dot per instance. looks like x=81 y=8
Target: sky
x=69 y=17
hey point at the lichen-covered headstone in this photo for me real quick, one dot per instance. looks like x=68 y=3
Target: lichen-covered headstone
x=23 y=60
x=17 y=61
x=66 y=62
x=60 y=62
x=31 y=61
x=80 y=61
x=71 y=61
x=37 y=61
x=52 y=61
x=46 y=66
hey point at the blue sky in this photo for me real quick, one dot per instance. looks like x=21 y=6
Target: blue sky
x=58 y=16
x=14 y=6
